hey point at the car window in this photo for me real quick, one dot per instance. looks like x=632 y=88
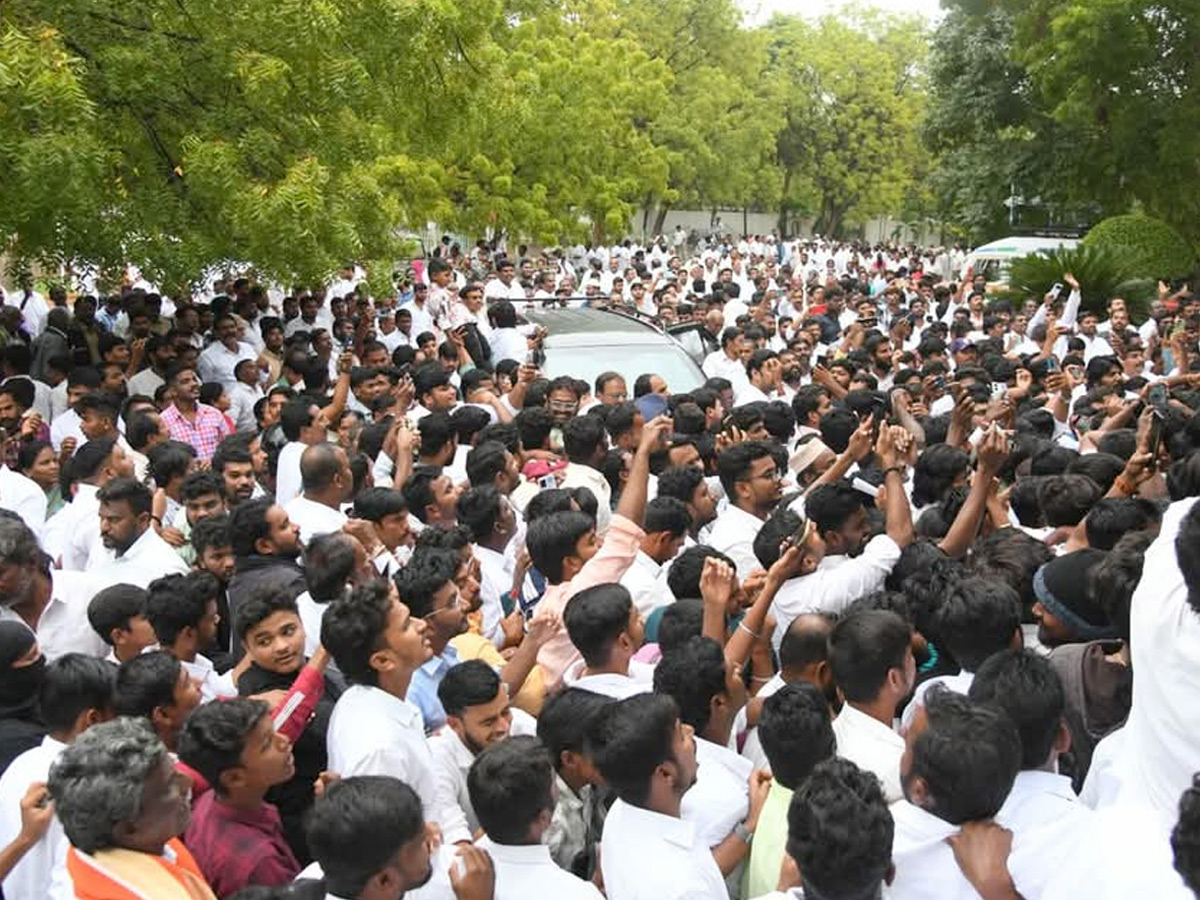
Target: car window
x=667 y=360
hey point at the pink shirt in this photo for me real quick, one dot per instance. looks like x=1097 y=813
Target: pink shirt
x=616 y=554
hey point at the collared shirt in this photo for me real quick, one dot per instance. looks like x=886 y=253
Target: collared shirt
x=314 y=518
x=872 y=746
x=960 y=684
x=579 y=475
x=752 y=746
x=65 y=426
x=146 y=382
x=925 y=865
x=733 y=533
x=212 y=684
x=612 y=560
x=720 y=798
x=287 y=472
x=423 y=689
x=71 y=533
x=640 y=680
x=23 y=496
x=45 y=862
x=524 y=872
x=372 y=732
x=149 y=557
x=643 y=581
x=837 y=582
x=217 y=362
x=718 y=365
x=207 y=429
x=1044 y=812
x=770 y=842
x=63 y=627
x=311 y=615
x=242 y=398
x=496 y=572
x=648 y=856
x=236 y=848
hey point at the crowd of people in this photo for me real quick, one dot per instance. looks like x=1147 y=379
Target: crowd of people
x=323 y=594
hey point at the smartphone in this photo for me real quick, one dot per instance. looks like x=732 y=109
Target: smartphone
x=546 y=482
x=1051 y=365
x=1157 y=397
x=1156 y=422
x=796 y=538
x=1056 y=289
x=999 y=390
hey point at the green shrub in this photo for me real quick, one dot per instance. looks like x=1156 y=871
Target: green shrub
x=1102 y=274
x=1155 y=249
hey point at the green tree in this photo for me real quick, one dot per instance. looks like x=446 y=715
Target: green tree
x=852 y=90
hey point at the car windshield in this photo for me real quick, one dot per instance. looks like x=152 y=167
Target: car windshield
x=586 y=363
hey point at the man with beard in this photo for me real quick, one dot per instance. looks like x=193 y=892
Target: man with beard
x=648 y=758
x=138 y=555
x=50 y=602
x=751 y=479
x=879 y=348
x=234 y=465
x=266 y=544
x=368 y=834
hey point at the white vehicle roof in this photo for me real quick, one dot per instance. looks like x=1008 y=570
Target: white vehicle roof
x=1015 y=247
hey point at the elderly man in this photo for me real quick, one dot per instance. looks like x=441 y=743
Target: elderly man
x=123 y=807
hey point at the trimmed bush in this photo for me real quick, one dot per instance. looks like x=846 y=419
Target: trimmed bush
x=1102 y=273
x=1155 y=249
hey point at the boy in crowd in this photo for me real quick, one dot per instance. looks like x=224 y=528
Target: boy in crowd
x=117 y=614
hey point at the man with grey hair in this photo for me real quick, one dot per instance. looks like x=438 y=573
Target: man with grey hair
x=51 y=602
x=123 y=807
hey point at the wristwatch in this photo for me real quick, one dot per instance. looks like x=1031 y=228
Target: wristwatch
x=743 y=834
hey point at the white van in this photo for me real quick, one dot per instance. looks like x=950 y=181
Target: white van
x=993 y=260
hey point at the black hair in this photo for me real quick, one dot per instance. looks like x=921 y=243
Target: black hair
x=628 y=741
x=666 y=514
x=328 y=565
x=469 y=683
x=552 y=538
x=1113 y=580
x=534 y=425
x=215 y=735
x=977 y=618
x=831 y=505
x=146 y=682
x=201 y=484
x=260 y=605
x=734 y=463
x=782 y=524
x=1066 y=499
x=796 y=732
x=1024 y=499
x=113 y=607
x=485 y=462
x=837 y=426
x=71 y=685
x=127 y=490
x=248 y=525
x=418 y=490
x=563 y=723
x=503 y=433
x=803 y=647
x=595 y=618
x=840 y=832
x=683 y=578
x=968 y=756
x=352 y=628
x=510 y=784
x=425 y=575
x=692 y=675
x=141 y=428
x=176 y=602
x=1185 y=837
x=170 y=461
x=1011 y=556
x=479 y=510
x=469 y=421
x=1113 y=517
x=863 y=648
x=936 y=470
x=1187 y=554
x=437 y=430
x=1025 y=687
x=679 y=482
x=374 y=503
x=582 y=436
x=620 y=419
x=1102 y=468
x=296 y=415
x=212 y=532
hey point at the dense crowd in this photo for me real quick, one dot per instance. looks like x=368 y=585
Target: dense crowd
x=315 y=593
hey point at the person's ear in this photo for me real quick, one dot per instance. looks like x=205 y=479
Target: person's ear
x=918 y=792
x=1062 y=738
x=891 y=874
x=114 y=635
x=1018 y=639
x=381 y=661
x=232 y=778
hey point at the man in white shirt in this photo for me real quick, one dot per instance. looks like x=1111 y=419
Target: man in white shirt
x=727 y=362
x=217 y=362
x=752 y=483
x=872 y=661
x=133 y=551
x=607 y=630
x=327 y=482
x=23 y=496
x=666 y=525
x=1045 y=816
x=512 y=789
x=244 y=395
x=478 y=715
x=586 y=445
x=764 y=373
x=76 y=693
x=648 y=757
x=961 y=771
x=505 y=285
x=373 y=730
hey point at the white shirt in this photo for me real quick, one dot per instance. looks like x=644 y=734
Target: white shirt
x=645 y=855
x=372 y=732
x=65 y=426
x=46 y=861
x=579 y=475
x=496 y=572
x=718 y=365
x=836 y=583
x=752 y=747
x=1046 y=819
x=311 y=615
x=212 y=685
x=23 y=496
x=149 y=557
x=63 y=627
x=1102 y=787
x=525 y=872
x=217 y=362
x=640 y=680
x=314 y=518
x=1162 y=752
x=146 y=382
x=720 y=798
x=872 y=746
x=643 y=581
x=242 y=398
x=75 y=529
x=287 y=472
x=925 y=866
x=733 y=533
x=960 y=684
x=508 y=343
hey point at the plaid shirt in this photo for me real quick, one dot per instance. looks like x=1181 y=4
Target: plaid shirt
x=236 y=849
x=204 y=434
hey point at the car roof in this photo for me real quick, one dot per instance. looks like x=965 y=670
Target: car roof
x=594 y=327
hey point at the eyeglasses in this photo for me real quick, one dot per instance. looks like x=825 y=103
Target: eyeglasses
x=564 y=407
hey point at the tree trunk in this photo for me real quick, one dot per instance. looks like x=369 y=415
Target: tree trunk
x=784 y=203
x=661 y=218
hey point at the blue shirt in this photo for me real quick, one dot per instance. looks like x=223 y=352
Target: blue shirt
x=423 y=689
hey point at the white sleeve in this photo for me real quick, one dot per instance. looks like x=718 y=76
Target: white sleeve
x=1071 y=310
